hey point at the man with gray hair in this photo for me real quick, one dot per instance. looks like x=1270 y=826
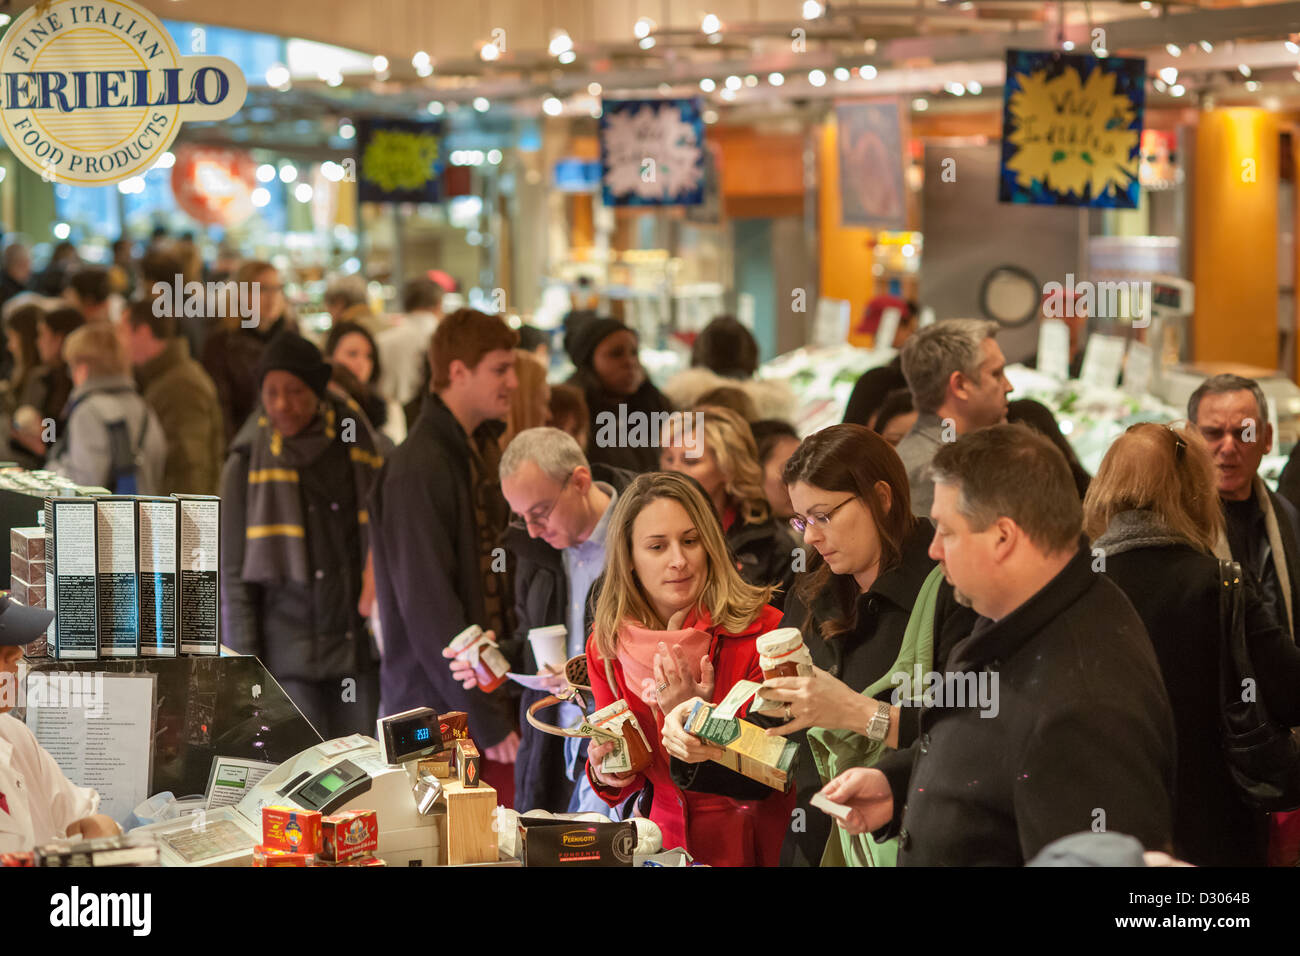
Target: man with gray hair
x=556 y=539
x=957 y=376
x=1261 y=528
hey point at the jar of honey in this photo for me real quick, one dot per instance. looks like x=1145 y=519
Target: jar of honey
x=481 y=652
x=782 y=653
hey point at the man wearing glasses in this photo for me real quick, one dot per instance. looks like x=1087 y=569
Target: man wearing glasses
x=1262 y=528
x=561 y=507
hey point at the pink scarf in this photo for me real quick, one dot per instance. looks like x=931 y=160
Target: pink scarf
x=638 y=645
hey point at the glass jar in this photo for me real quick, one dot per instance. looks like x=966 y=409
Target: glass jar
x=481 y=652
x=782 y=653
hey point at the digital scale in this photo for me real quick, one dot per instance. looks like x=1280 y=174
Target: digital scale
x=344 y=774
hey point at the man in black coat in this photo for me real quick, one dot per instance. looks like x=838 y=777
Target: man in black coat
x=556 y=540
x=1052 y=717
x=437 y=516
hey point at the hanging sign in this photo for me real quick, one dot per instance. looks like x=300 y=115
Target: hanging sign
x=397 y=161
x=652 y=153
x=214 y=185
x=94 y=91
x=1071 y=125
x=871 y=137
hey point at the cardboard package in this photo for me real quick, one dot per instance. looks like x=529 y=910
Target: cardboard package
x=118 y=620
x=157 y=575
x=750 y=751
x=198 y=546
x=545 y=841
x=70 y=577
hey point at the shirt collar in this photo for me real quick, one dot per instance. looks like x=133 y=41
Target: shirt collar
x=597 y=537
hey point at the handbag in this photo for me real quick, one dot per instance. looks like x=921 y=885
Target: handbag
x=578 y=692
x=1263 y=756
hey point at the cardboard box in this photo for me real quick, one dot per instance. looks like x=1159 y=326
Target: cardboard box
x=350 y=834
x=198 y=546
x=25 y=570
x=441 y=765
x=157 y=570
x=119 y=596
x=545 y=841
x=750 y=751
x=465 y=833
x=27 y=543
x=455 y=726
x=291 y=829
x=270 y=856
x=29 y=595
x=70 y=571
x=468 y=763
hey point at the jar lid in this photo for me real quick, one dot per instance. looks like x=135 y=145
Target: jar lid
x=466 y=638
x=780 y=642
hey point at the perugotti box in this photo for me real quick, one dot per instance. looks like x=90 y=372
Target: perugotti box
x=545 y=841
x=198 y=531
x=70 y=577
x=119 y=598
x=156 y=522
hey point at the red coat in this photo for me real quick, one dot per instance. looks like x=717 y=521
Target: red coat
x=716 y=830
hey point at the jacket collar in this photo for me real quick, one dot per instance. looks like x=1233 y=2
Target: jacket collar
x=901 y=583
x=175 y=351
x=438 y=418
x=927 y=425
x=1138 y=528
x=102 y=383
x=991 y=640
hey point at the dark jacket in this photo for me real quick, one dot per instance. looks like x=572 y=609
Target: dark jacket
x=424 y=539
x=183 y=397
x=870 y=390
x=542 y=600
x=305 y=632
x=764 y=554
x=232 y=357
x=1082 y=737
x=1265 y=566
x=647 y=400
x=1175 y=590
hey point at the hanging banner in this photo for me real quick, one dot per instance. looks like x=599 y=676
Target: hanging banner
x=398 y=161
x=1071 y=127
x=96 y=90
x=870 y=140
x=652 y=153
x=214 y=185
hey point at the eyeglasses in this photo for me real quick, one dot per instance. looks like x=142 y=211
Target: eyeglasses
x=821 y=518
x=533 y=517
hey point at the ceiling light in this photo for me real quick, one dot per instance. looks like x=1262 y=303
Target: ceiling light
x=751 y=80
x=1169 y=74
x=567 y=57
x=812 y=9
x=347 y=130
x=710 y=117
x=379 y=64
x=1244 y=70
x=776 y=79
x=647 y=43
x=707 y=85
x=265 y=173
x=710 y=24
x=1068 y=45
x=481 y=104
x=1252 y=85
x=260 y=197
x=643 y=28
x=435 y=108
x=1292 y=47
x=1207 y=46
x=489 y=52
x=560 y=43
x=817 y=78
x=867 y=71
x=288 y=173
x=1173 y=50
x=166 y=161
x=277 y=75
x=594 y=88
x=728 y=95
x=1177 y=89
x=420 y=59
x=842 y=73
x=974 y=88
x=1160 y=85
x=302 y=192
x=734 y=82
x=552 y=106
x=920 y=104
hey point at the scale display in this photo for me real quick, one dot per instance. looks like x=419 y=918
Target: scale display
x=410 y=735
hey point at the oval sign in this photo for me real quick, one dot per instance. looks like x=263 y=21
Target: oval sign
x=94 y=91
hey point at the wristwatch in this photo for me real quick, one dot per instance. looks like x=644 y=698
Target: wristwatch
x=878 y=728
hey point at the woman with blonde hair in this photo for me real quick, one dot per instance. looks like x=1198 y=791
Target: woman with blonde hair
x=715 y=446
x=674 y=620
x=530 y=403
x=1153 y=513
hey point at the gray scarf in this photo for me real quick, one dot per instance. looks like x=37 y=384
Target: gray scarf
x=1140 y=528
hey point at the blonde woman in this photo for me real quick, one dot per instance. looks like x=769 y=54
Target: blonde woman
x=1153 y=511
x=675 y=621
x=530 y=403
x=714 y=446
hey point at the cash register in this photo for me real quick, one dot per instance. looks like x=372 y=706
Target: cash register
x=343 y=774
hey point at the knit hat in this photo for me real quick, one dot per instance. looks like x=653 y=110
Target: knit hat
x=581 y=345
x=292 y=353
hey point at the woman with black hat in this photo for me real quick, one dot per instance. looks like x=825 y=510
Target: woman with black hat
x=610 y=374
x=295 y=540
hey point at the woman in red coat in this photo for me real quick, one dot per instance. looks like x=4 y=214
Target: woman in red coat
x=674 y=620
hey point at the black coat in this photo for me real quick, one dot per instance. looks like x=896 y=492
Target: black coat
x=870 y=390
x=542 y=600
x=424 y=538
x=1175 y=590
x=764 y=554
x=646 y=400
x=1083 y=735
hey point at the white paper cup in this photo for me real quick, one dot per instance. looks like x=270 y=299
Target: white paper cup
x=549 y=646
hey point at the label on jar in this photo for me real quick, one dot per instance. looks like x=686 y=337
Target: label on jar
x=493 y=658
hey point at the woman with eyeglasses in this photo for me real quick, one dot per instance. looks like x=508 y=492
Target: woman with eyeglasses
x=675 y=622
x=867 y=564
x=723 y=457
x=1153 y=511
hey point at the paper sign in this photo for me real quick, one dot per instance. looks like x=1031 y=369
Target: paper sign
x=735 y=699
x=1137 y=369
x=232 y=778
x=1103 y=358
x=888 y=329
x=1054 y=349
x=832 y=323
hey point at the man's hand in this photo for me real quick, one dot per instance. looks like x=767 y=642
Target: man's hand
x=461 y=669
x=98 y=825
x=866 y=791
x=685 y=746
x=506 y=751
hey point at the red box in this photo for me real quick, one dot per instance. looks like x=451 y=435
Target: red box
x=347 y=835
x=454 y=727
x=18 y=859
x=291 y=830
x=359 y=861
x=270 y=856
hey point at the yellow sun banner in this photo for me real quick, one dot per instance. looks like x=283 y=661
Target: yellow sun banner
x=1071 y=128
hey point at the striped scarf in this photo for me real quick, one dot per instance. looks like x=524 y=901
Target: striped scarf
x=275 y=548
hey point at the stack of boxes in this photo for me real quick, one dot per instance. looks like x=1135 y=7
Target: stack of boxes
x=292 y=837
x=27 y=575
x=465 y=830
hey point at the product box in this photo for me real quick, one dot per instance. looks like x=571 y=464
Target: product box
x=198 y=537
x=358 y=861
x=156 y=566
x=27 y=543
x=29 y=595
x=25 y=570
x=131 y=849
x=291 y=829
x=17 y=859
x=545 y=841
x=468 y=766
x=70 y=590
x=441 y=765
x=349 y=834
x=119 y=598
x=270 y=856
x=749 y=750
x=455 y=726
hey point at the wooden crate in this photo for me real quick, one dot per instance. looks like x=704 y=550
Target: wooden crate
x=465 y=830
